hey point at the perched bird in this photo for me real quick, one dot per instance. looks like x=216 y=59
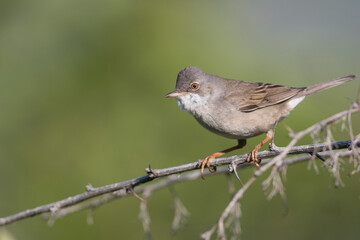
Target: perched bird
x=238 y=109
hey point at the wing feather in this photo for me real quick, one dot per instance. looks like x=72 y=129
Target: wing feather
x=259 y=95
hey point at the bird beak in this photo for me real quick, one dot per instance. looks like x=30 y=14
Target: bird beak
x=175 y=94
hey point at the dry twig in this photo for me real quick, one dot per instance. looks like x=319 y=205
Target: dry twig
x=277 y=164
x=230 y=216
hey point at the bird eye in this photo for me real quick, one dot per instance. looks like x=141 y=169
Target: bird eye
x=194 y=86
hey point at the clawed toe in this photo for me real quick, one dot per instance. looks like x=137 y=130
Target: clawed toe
x=206 y=162
x=253 y=157
x=253 y=154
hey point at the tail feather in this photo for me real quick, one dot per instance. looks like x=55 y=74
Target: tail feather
x=325 y=85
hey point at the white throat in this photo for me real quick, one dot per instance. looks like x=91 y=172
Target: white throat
x=191 y=102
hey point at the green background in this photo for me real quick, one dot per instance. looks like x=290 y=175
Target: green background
x=82 y=87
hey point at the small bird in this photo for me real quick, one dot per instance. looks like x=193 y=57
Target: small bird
x=237 y=109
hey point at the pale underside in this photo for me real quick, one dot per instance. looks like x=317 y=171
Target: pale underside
x=226 y=119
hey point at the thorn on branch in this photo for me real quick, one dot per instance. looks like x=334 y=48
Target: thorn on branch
x=233 y=167
x=274 y=148
x=52 y=217
x=55 y=208
x=150 y=172
x=89 y=187
x=319 y=157
x=131 y=190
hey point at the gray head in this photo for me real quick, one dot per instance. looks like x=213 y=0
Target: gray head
x=191 y=80
x=193 y=89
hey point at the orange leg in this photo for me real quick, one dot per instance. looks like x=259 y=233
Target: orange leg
x=206 y=161
x=253 y=154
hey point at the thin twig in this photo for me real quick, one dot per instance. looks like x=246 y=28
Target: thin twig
x=94 y=192
x=168 y=181
x=278 y=163
x=157 y=173
x=119 y=193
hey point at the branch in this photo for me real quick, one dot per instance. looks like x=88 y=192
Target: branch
x=169 y=181
x=152 y=174
x=157 y=173
x=279 y=163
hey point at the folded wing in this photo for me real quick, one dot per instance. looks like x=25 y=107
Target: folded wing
x=259 y=95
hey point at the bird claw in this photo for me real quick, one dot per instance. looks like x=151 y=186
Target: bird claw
x=253 y=157
x=206 y=162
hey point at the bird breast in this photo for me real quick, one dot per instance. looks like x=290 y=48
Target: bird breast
x=225 y=120
x=199 y=107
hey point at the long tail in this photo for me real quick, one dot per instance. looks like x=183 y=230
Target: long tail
x=325 y=85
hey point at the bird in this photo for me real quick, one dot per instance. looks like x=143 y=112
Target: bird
x=238 y=109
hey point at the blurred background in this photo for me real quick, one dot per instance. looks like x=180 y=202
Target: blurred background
x=82 y=86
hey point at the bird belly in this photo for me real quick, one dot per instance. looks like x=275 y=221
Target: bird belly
x=242 y=125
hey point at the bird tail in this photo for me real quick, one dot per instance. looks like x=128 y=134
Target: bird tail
x=325 y=85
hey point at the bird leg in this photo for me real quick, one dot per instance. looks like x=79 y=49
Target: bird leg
x=253 y=154
x=206 y=161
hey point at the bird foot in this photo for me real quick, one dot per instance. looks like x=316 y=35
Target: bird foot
x=253 y=156
x=206 y=162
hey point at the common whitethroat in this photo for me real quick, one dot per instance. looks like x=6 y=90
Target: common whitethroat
x=238 y=109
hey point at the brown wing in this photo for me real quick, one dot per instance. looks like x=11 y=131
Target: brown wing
x=259 y=95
